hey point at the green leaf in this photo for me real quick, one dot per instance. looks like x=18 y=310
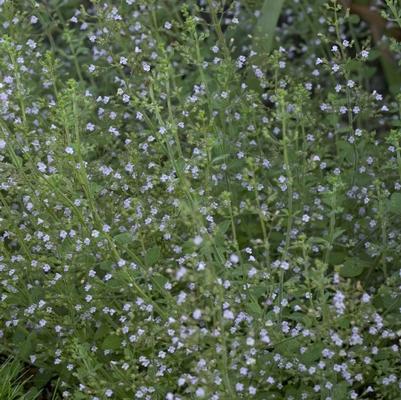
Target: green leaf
x=354 y=19
x=368 y=72
x=26 y=347
x=223 y=226
x=394 y=204
x=387 y=301
x=337 y=257
x=258 y=291
x=160 y=281
x=85 y=259
x=352 y=268
x=392 y=72
x=106 y=265
x=42 y=377
x=340 y=391
x=263 y=35
x=95 y=188
x=266 y=25
x=219 y=158
x=123 y=238
x=112 y=342
x=337 y=233
x=254 y=308
x=312 y=353
x=346 y=151
x=20 y=335
x=80 y=396
x=101 y=332
x=288 y=347
x=291 y=390
x=343 y=323
x=152 y=255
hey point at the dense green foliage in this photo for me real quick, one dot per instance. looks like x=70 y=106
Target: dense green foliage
x=199 y=199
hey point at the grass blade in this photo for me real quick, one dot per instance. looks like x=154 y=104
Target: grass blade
x=263 y=36
x=266 y=26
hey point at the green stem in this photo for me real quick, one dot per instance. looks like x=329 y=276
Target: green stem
x=331 y=229
x=289 y=191
x=219 y=32
x=383 y=224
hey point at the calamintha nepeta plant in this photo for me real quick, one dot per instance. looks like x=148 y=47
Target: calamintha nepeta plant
x=188 y=213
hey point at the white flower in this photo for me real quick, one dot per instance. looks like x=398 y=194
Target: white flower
x=365 y=298
x=338 y=302
x=284 y=265
x=197 y=314
x=41 y=166
x=234 y=258
x=239 y=387
x=305 y=218
x=90 y=127
x=228 y=314
x=250 y=341
x=31 y=43
x=252 y=390
x=69 y=150
x=198 y=240
x=2 y=144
